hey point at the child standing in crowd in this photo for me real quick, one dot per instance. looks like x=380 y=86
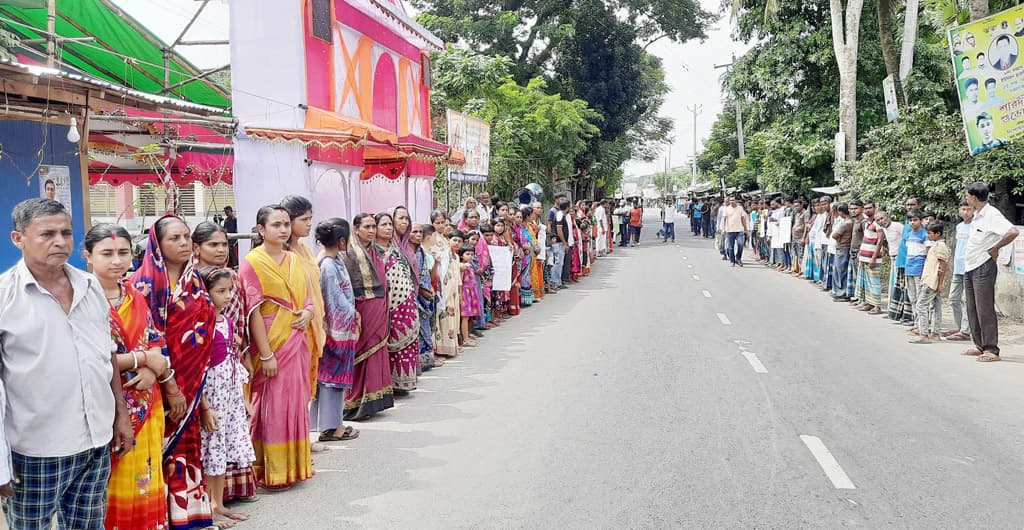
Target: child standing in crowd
x=470 y=302
x=929 y=298
x=224 y=409
x=917 y=250
x=961 y=330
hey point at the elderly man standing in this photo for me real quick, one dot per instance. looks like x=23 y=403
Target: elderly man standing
x=990 y=231
x=55 y=334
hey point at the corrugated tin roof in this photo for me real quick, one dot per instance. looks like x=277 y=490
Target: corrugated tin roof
x=123 y=52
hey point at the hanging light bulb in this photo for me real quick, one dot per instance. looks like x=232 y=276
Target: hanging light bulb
x=73 y=135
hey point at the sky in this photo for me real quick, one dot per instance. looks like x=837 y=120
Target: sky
x=689 y=68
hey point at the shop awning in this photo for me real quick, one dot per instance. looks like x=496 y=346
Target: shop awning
x=323 y=120
x=123 y=150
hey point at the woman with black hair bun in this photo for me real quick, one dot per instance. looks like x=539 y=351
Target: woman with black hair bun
x=341 y=323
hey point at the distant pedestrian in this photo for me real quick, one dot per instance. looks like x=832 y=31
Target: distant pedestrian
x=734 y=224
x=636 y=215
x=231 y=227
x=668 y=222
x=990 y=231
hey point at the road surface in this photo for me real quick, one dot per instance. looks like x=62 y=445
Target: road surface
x=668 y=390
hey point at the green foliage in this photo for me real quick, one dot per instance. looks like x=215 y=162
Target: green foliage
x=535 y=136
x=924 y=154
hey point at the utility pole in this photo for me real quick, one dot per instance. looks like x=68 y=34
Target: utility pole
x=695 y=110
x=739 y=113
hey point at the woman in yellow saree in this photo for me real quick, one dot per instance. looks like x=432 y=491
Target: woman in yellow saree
x=280 y=310
x=300 y=210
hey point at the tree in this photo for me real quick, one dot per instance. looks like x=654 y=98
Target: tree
x=845 y=42
x=535 y=136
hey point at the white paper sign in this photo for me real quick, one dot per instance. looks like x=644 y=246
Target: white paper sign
x=786 y=230
x=501 y=260
x=773 y=234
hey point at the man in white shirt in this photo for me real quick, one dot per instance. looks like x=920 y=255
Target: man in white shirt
x=989 y=232
x=668 y=222
x=55 y=339
x=601 y=216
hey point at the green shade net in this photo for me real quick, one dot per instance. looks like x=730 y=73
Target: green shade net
x=114 y=31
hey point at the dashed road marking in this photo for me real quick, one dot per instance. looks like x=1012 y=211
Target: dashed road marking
x=755 y=363
x=696 y=277
x=828 y=463
x=707 y=294
x=724 y=319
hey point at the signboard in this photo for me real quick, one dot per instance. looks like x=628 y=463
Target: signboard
x=55 y=183
x=501 y=260
x=473 y=138
x=990 y=78
x=892 y=109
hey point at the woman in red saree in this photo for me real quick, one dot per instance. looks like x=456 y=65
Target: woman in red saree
x=136 y=497
x=280 y=310
x=181 y=309
x=371 y=390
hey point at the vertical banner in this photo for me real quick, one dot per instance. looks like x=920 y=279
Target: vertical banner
x=55 y=184
x=892 y=109
x=473 y=138
x=989 y=78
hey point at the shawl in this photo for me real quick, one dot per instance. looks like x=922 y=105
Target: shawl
x=401 y=242
x=366 y=281
x=186 y=317
x=311 y=269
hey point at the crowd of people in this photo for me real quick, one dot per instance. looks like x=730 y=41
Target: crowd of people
x=187 y=384
x=843 y=248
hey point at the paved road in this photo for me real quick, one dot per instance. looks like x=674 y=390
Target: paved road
x=627 y=402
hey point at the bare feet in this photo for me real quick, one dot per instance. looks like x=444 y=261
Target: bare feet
x=224 y=522
x=230 y=514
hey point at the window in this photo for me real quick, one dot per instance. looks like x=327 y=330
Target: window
x=321 y=14
x=153 y=199
x=216 y=197
x=103 y=200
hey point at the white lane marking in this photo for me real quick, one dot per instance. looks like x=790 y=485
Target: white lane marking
x=684 y=257
x=707 y=294
x=689 y=266
x=724 y=319
x=755 y=363
x=696 y=277
x=432 y=377
x=828 y=463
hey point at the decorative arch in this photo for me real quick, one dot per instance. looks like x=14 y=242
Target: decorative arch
x=385 y=94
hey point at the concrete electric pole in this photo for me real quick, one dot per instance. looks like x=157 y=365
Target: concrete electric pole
x=696 y=110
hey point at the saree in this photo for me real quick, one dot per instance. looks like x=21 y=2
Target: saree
x=311 y=268
x=537 y=266
x=485 y=280
x=280 y=420
x=371 y=390
x=526 y=266
x=426 y=305
x=403 y=318
x=186 y=317
x=136 y=498
x=446 y=339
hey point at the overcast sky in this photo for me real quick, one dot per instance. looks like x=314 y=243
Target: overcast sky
x=689 y=69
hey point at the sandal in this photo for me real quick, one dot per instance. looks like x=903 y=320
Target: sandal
x=988 y=357
x=348 y=434
x=973 y=352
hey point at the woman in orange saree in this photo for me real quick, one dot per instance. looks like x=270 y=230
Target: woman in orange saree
x=135 y=494
x=280 y=310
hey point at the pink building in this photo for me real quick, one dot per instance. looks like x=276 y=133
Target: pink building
x=333 y=102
